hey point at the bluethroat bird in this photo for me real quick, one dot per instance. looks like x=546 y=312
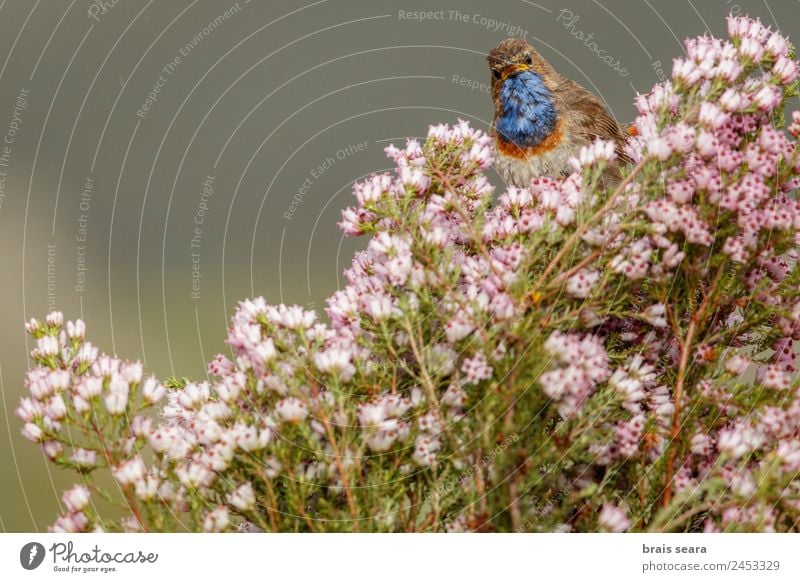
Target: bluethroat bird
x=541 y=119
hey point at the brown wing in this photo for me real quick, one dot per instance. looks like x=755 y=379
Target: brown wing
x=589 y=117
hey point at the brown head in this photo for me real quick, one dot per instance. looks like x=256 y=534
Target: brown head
x=513 y=56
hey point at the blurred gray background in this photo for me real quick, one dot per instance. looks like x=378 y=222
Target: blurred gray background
x=169 y=158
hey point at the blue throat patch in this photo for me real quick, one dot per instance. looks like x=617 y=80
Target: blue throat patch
x=529 y=115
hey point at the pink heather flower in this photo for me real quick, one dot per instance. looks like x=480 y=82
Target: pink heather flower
x=580 y=284
x=59 y=380
x=768 y=98
x=425 y=450
x=777 y=45
x=76 y=330
x=681 y=191
x=55 y=319
x=774 y=377
x=598 y=153
x=291 y=410
x=84 y=458
x=457 y=329
x=70 y=523
x=32 y=432
x=752 y=49
x=737 y=365
x=686 y=71
x=712 y=116
x=243 y=497
x=613 y=519
x=476 y=369
x=76 y=499
x=221 y=366
x=56 y=408
x=129 y=472
x=629 y=388
x=87 y=354
x=384 y=435
x=33 y=326
x=785 y=69
x=372 y=189
x=702 y=445
x=789 y=453
x=738 y=441
x=52 y=449
x=292 y=317
x=794 y=126
x=29 y=410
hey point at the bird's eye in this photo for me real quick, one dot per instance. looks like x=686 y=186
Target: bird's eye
x=528 y=59
x=496 y=73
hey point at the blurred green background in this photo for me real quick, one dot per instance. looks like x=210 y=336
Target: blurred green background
x=219 y=141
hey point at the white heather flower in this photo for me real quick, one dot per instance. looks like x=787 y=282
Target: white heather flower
x=737 y=364
x=371 y=414
x=70 y=523
x=52 y=449
x=217 y=520
x=613 y=519
x=32 y=432
x=654 y=315
x=129 y=472
x=48 y=346
x=76 y=499
x=29 y=409
x=335 y=361
x=291 y=410
x=131 y=372
x=243 y=498
x=116 y=400
x=701 y=444
x=147 y=488
x=56 y=409
x=59 y=380
x=194 y=475
x=630 y=389
x=152 y=390
x=89 y=387
x=84 y=457
x=425 y=449
x=76 y=330
x=87 y=354
x=193 y=395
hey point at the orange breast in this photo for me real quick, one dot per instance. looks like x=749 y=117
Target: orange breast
x=549 y=143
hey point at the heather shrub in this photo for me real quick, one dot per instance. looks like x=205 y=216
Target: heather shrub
x=570 y=356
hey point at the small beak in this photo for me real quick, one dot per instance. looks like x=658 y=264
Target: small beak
x=512 y=70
